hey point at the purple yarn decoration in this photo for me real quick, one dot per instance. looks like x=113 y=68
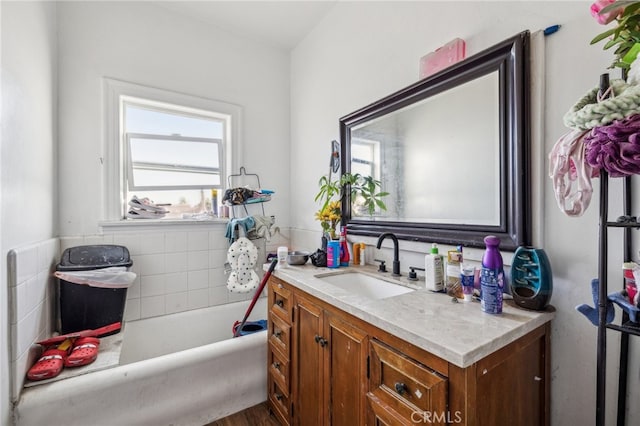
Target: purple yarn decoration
x=615 y=147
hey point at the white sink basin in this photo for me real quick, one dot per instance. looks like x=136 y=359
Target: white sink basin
x=364 y=285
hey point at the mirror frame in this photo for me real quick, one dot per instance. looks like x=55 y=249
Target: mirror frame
x=511 y=59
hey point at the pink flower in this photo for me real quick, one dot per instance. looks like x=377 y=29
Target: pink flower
x=605 y=18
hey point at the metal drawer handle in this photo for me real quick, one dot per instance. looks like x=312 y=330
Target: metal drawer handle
x=276 y=365
x=280 y=302
x=277 y=333
x=278 y=396
x=323 y=342
x=401 y=388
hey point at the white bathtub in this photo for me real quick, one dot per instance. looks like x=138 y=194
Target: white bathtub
x=181 y=369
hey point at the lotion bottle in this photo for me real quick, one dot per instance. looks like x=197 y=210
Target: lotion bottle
x=434 y=269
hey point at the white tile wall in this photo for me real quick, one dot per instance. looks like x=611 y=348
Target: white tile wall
x=31 y=304
x=177 y=270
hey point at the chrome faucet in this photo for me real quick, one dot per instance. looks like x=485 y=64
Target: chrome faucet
x=396 y=257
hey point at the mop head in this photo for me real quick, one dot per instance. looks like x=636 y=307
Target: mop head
x=249 y=327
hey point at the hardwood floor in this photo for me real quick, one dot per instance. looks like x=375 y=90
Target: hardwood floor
x=258 y=415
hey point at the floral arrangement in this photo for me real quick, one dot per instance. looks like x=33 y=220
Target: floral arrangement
x=329 y=216
x=625 y=36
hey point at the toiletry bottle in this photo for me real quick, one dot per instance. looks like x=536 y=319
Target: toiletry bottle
x=491 y=277
x=333 y=254
x=214 y=202
x=282 y=257
x=452 y=284
x=466 y=279
x=356 y=253
x=344 y=248
x=363 y=259
x=434 y=269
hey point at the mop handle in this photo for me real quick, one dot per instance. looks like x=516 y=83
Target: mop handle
x=265 y=278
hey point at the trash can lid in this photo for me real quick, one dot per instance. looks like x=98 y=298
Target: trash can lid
x=83 y=258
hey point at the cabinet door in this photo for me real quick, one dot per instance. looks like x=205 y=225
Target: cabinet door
x=513 y=387
x=308 y=363
x=346 y=371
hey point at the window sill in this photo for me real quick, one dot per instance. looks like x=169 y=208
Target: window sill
x=136 y=225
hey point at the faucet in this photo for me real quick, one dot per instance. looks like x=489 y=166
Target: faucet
x=396 y=259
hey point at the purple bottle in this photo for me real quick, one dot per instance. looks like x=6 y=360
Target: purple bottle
x=491 y=277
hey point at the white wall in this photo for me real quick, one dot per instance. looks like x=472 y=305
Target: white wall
x=363 y=51
x=359 y=53
x=143 y=43
x=28 y=180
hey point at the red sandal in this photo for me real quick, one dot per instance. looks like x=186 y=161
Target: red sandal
x=50 y=363
x=85 y=351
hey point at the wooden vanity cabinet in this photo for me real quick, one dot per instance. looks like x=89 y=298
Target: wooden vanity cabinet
x=330 y=383
x=327 y=367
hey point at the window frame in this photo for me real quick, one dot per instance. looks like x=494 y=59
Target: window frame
x=130 y=164
x=114 y=150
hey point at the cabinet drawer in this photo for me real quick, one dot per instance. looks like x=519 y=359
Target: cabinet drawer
x=279 y=402
x=404 y=384
x=280 y=335
x=280 y=299
x=278 y=366
x=380 y=414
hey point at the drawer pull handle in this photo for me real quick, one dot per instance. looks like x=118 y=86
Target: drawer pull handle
x=321 y=341
x=276 y=365
x=278 y=396
x=280 y=302
x=401 y=388
x=537 y=378
x=277 y=333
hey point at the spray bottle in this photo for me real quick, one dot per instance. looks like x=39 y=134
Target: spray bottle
x=491 y=277
x=344 y=248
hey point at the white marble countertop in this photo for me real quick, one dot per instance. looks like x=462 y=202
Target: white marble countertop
x=460 y=333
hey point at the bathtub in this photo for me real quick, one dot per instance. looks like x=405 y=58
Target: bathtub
x=179 y=369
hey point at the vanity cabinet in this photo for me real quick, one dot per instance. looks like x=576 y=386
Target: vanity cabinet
x=327 y=367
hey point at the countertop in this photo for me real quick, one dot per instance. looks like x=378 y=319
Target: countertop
x=460 y=333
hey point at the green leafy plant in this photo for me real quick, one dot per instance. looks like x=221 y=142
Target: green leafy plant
x=625 y=36
x=365 y=194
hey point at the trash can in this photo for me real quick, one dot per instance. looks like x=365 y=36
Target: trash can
x=93 y=283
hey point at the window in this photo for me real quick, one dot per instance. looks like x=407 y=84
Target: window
x=171 y=148
x=364 y=157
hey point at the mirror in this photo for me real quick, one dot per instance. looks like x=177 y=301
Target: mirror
x=453 y=152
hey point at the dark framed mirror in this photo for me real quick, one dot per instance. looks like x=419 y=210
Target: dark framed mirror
x=452 y=150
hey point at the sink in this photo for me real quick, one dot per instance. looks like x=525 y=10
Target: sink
x=364 y=284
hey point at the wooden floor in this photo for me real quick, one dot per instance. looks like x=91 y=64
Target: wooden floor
x=258 y=415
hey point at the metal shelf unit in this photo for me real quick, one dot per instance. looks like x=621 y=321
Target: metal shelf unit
x=626 y=327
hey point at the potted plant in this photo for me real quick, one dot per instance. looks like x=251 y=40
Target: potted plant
x=365 y=193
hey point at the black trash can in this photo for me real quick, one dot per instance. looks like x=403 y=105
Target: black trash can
x=87 y=307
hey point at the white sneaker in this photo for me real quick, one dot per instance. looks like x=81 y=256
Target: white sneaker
x=146 y=204
x=144 y=214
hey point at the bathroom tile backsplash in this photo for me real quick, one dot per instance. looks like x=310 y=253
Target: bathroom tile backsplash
x=177 y=271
